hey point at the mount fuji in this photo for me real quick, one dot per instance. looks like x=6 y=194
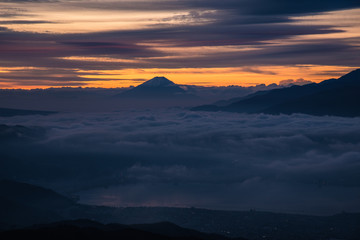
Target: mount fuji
x=156 y=88
x=157 y=82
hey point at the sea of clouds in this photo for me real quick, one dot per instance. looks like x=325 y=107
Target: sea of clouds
x=174 y=157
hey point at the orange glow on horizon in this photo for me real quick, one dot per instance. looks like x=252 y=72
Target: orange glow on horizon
x=242 y=76
x=218 y=76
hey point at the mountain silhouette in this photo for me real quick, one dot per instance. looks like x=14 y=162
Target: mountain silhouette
x=173 y=230
x=155 y=88
x=33 y=195
x=337 y=97
x=10 y=112
x=24 y=204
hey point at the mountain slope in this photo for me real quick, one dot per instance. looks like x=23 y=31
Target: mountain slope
x=32 y=195
x=337 y=97
x=342 y=101
x=172 y=230
x=86 y=229
x=24 y=204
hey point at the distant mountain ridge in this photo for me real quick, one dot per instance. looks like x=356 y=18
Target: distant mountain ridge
x=337 y=97
x=160 y=93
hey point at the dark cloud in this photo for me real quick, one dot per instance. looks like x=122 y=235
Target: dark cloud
x=307 y=52
x=256 y=70
x=110 y=48
x=40 y=47
x=175 y=157
x=249 y=7
x=94 y=44
x=25 y=22
x=12 y=12
x=29 y=1
x=276 y=7
x=47 y=50
x=299 y=81
x=218 y=34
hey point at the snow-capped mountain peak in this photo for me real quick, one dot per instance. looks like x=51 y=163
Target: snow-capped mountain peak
x=158 y=82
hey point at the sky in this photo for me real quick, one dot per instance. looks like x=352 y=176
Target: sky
x=56 y=43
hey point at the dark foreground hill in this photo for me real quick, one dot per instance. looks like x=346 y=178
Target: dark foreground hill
x=86 y=229
x=337 y=97
x=22 y=205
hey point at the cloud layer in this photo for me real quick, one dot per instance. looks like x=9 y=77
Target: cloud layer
x=295 y=163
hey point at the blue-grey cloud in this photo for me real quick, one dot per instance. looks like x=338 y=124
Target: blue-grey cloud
x=175 y=157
